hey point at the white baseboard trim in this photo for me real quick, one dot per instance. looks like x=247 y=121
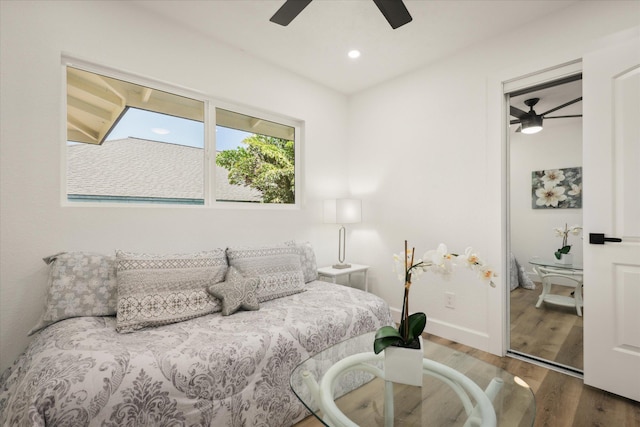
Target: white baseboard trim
x=462 y=335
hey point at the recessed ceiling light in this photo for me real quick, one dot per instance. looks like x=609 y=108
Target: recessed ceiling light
x=161 y=131
x=354 y=53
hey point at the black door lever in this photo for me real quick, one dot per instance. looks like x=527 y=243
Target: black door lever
x=599 y=239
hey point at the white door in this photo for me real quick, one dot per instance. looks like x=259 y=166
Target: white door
x=611 y=202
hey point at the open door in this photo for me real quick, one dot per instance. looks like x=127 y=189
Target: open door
x=611 y=177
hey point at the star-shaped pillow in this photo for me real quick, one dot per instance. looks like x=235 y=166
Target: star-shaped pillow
x=236 y=292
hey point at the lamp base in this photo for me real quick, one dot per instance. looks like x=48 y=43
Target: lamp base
x=341 y=265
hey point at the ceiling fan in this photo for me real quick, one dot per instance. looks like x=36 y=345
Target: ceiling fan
x=394 y=11
x=530 y=121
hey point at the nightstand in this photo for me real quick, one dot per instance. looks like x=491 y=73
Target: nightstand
x=334 y=273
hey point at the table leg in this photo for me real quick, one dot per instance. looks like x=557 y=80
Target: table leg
x=388 y=404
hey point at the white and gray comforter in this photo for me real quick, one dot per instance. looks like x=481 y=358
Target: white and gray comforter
x=208 y=371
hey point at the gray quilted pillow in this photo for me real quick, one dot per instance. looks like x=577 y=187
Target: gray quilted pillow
x=277 y=267
x=80 y=284
x=156 y=290
x=236 y=292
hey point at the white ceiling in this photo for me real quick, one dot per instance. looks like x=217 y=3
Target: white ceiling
x=316 y=43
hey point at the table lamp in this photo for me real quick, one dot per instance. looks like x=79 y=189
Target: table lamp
x=342 y=211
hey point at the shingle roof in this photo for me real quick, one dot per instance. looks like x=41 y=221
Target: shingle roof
x=135 y=167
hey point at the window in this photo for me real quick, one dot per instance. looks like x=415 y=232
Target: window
x=255 y=156
x=133 y=143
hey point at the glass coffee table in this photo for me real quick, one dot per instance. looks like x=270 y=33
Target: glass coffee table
x=344 y=386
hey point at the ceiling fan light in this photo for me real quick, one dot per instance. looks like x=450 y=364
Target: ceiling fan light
x=531 y=125
x=531 y=130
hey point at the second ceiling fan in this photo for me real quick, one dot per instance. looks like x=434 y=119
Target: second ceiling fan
x=394 y=11
x=530 y=121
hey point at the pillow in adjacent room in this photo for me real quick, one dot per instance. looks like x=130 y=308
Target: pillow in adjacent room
x=157 y=290
x=278 y=268
x=307 y=260
x=79 y=284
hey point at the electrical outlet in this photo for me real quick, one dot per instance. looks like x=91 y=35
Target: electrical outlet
x=450 y=300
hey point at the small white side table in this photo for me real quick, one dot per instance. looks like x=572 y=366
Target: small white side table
x=334 y=273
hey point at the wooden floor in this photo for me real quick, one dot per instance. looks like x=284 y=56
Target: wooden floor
x=550 y=332
x=561 y=400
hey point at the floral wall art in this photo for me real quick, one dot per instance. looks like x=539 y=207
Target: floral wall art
x=556 y=188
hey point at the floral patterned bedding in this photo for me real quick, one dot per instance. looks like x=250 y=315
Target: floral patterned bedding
x=208 y=371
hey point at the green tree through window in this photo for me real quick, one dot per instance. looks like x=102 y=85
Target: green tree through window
x=266 y=164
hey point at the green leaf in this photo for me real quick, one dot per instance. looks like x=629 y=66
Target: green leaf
x=557 y=254
x=417 y=323
x=385 y=336
x=565 y=249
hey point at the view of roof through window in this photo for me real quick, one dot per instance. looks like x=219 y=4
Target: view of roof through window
x=135 y=144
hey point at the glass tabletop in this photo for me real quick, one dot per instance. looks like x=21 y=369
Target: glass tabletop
x=553 y=264
x=363 y=398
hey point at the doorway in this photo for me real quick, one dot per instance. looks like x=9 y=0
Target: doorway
x=545 y=205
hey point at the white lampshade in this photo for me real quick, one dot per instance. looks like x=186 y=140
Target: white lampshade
x=342 y=211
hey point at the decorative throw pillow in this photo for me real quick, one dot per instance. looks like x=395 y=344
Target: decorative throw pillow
x=236 y=292
x=156 y=290
x=79 y=284
x=307 y=260
x=277 y=267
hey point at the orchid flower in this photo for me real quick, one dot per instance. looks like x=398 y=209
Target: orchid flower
x=439 y=261
x=564 y=233
x=487 y=274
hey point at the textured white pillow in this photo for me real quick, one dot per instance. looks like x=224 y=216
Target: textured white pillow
x=307 y=260
x=160 y=289
x=278 y=268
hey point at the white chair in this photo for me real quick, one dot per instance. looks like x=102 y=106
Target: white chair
x=550 y=276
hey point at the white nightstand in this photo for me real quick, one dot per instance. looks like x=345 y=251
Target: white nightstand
x=334 y=273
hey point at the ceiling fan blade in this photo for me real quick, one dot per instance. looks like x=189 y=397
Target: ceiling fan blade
x=566 y=104
x=516 y=112
x=519 y=129
x=288 y=11
x=563 y=117
x=394 y=11
x=513 y=122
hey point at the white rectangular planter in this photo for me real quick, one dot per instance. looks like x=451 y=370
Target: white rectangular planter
x=404 y=365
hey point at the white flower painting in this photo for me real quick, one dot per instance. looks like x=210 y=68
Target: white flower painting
x=556 y=188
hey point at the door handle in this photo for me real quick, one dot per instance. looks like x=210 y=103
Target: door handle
x=599 y=239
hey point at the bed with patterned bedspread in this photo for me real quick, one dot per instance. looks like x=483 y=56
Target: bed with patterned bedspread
x=211 y=370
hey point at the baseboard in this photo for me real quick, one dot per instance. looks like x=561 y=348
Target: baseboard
x=462 y=335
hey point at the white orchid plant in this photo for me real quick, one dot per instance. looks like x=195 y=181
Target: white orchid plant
x=564 y=233
x=439 y=261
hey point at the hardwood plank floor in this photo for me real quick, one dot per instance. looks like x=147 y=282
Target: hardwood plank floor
x=561 y=400
x=550 y=332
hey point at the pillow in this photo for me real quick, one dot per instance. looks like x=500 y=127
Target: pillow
x=79 y=284
x=156 y=290
x=236 y=292
x=307 y=260
x=277 y=267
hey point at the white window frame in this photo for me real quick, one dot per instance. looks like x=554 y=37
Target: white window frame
x=210 y=105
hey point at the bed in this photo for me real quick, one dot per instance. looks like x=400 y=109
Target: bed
x=213 y=369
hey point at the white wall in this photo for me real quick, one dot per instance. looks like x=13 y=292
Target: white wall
x=33 y=224
x=558 y=146
x=423 y=151
x=427 y=155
